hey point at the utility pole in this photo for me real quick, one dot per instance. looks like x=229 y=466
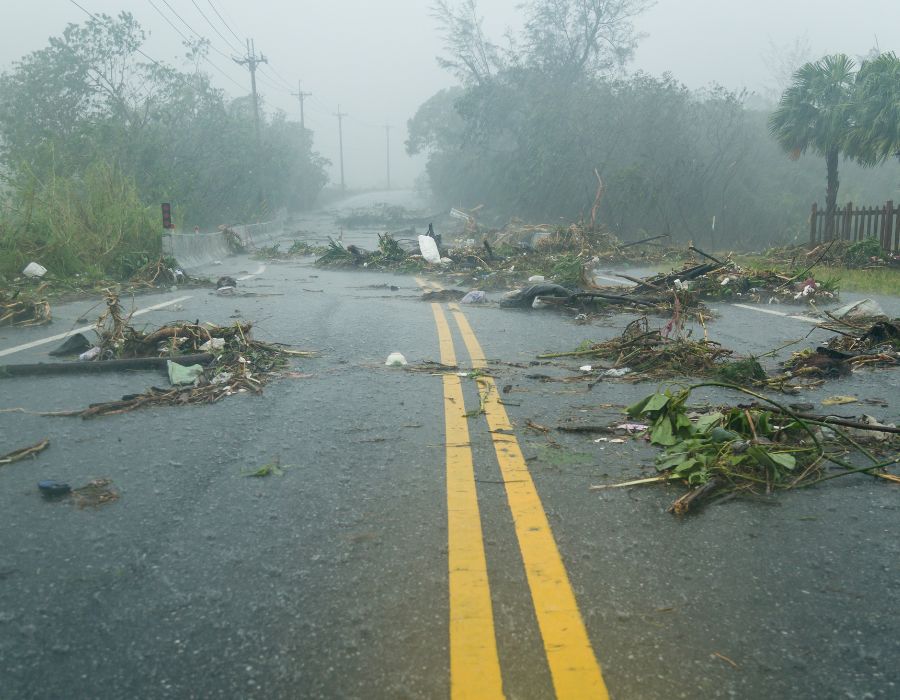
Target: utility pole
x=300 y=94
x=387 y=136
x=340 y=117
x=251 y=60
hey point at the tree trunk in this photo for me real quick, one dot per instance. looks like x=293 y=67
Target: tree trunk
x=831 y=192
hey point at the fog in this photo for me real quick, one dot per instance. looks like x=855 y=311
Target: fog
x=377 y=60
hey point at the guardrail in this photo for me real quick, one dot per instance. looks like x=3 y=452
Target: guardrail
x=195 y=249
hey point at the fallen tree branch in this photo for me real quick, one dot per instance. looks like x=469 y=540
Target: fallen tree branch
x=24 y=452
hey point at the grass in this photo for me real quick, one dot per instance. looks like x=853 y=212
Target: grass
x=94 y=226
x=878 y=280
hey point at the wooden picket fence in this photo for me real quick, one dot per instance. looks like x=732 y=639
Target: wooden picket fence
x=881 y=223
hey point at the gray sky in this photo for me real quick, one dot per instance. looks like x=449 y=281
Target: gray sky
x=377 y=59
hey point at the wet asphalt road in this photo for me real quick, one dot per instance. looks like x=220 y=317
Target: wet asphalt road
x=331 y=581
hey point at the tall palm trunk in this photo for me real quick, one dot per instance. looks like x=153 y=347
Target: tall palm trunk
x=831 y=192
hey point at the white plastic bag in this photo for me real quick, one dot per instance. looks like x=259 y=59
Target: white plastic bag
x=429 y=249
x=32 y=269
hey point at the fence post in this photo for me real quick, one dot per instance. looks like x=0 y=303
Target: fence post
x=812 y=225
x=887 y=226
x=845 y=224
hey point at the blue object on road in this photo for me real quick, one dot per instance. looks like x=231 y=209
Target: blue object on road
x=52 y=489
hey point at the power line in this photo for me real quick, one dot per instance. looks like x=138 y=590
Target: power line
x=214 y=28
x=93 y=16
x=192 y=30
x=189 y=42
x=219 y=15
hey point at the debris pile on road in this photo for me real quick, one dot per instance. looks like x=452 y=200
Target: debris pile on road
x=390 y=255
x=725 y=280
x=643 y=354
x=205 y=362
x=877 y=345
x=751 y=449
x=17 y=309
x=297 y=249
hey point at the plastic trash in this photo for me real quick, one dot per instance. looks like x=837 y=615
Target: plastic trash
x=620 y=372
x=222 y=378
x=429 y=249
x=179 y=374
x=395 y=359
x=536 y=278
x=53 y=489
x=73 y=345
x=474 y=297
x=587 y=368
x=865 y=308
x=524 y=298
x=213 y=344
x=89 y=354
x=35 y=270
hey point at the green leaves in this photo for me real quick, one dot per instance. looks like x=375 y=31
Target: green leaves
x=733 y=444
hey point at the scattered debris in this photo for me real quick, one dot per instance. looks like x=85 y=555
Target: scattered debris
x=226 y=284
x=747 y=449
x=73 y=345
x=439 y=295
x=275 y=467
x=24 y=310
x=34 y=270
x=52 y=489
x=97 y=492
x=396 y=359
x=24 y=452
x=641 y=354
x=474 y=297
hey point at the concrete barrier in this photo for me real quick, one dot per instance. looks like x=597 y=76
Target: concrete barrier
x=197 y=249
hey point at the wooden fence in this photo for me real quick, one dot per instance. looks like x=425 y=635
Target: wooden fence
x=881 y=223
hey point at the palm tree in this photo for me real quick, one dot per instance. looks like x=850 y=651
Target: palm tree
x=875 y=135
x=816 y=112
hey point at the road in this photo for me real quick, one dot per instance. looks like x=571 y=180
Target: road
x=408 y=551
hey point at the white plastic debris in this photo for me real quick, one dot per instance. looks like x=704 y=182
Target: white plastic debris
x=679 y=285
x=213 y=344
x=34 y=270
x=621 y=372
x=536 y=278
x=586 y=368
x=89 y=354
x=429 y=249
x=726 y=281
x=476 y=296
x=222 y=378
x=632 y=427
x=395 y=359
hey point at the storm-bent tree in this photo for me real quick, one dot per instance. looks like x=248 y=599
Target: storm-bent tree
x=816 y=112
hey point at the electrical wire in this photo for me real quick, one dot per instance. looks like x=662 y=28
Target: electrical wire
x=93 y=16
x=219 y=15
x=189 y=42
x=214 y=28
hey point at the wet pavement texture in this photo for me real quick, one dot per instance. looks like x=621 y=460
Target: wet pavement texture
x=331 y=580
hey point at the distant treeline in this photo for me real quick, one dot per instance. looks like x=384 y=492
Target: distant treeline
x=94 y=135
x=530 y=124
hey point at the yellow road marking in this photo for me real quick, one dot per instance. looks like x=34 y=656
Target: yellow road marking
x=573 y=664
x=474 y=662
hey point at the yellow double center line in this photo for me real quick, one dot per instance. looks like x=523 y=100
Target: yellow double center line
x=474 y=664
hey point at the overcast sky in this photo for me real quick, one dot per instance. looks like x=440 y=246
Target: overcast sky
x=377 y=58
